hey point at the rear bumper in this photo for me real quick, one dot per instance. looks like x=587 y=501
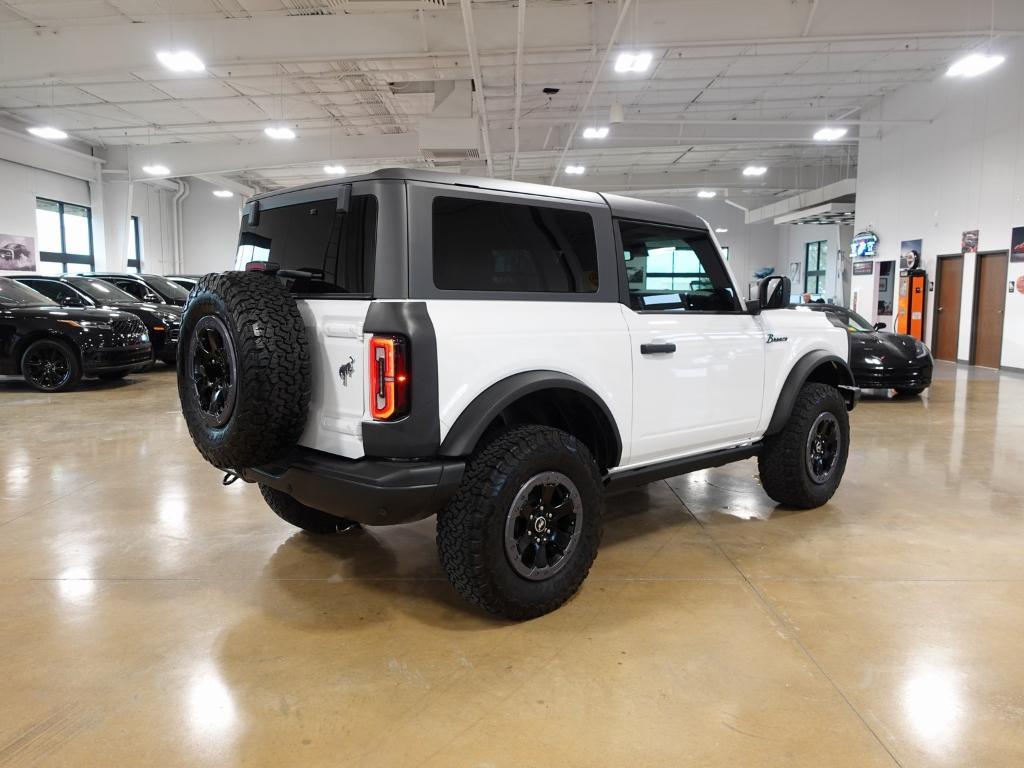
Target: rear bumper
x=115 y=358
x=369 y=491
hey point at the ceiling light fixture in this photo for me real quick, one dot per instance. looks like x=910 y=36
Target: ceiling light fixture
x=575 y=170
x=595 y=133
x=47 y=132
x=755 y=170
x=157 y=170
x=334 y=170
x=706 y=194
x=223 y=193
x=973 y=65
x=633 y=62
x=279 y=132
x=181 y=61
x=829 y=134
x=721 y=230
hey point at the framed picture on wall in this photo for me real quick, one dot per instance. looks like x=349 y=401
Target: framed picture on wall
x=794 y=272
x=17 y=253
x=1017 y=244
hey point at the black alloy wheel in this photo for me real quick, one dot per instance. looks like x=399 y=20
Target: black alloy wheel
x=543 y=525
x=214 y=376
x=822 y=447
x=49 y=366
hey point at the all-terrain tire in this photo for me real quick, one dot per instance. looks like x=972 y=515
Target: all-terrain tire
x=783 y=462
x=308 y=519
x=272 y=377
x=471 y=530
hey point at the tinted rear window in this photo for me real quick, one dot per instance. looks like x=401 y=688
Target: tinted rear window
x=336 y=248
x=482 y=245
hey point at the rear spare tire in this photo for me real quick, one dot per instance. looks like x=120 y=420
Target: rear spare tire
x=243 y=369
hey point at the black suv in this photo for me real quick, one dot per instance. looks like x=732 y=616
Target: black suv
x=155 y=289
x=53 y=347
x=162 y=321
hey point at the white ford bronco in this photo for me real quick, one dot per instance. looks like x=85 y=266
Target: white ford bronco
x=503 y=355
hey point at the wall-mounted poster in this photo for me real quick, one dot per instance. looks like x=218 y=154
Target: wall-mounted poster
x=17 y=253
x=969 y=241
x=910 y=254
x=1017 y=244
x=794 y=273
x=863 y=267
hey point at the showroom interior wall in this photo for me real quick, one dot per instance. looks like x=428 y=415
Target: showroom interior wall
x=210 y=238
x=962 y=171
x=792 y=247
x=20 y=185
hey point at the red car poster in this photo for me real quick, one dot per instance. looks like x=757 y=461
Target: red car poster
x=1017 y=244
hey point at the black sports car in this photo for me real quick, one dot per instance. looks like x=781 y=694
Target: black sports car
x=53 y=347
x=881 y=360
x=154 y=289
x=162 y=321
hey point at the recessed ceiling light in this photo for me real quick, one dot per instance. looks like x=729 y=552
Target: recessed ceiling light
x=575 y=170
x=829 y=134
x=279 y=132
x=721 y=230
x=974 y=65
x=595 y=133
x=223 y=193
x=181 y=61
x=706 y=193
x=755 y=170
x=47 y=132
x=633 y=62
x=334 y=170
x=156 y=169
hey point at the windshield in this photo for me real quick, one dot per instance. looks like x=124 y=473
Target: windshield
x=846 y=318
x=167 y=289
x=101 y=291
x=14 y=294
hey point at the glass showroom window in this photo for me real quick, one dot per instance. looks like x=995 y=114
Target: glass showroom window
x=65 y=237
x=134 y=246
x=814 y=270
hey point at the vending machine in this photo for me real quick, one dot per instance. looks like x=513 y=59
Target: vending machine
x=913 y=297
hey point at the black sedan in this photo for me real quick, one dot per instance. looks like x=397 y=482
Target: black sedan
x=882 y=360
x=155 y=289
x=162 y=321
x=53 y=347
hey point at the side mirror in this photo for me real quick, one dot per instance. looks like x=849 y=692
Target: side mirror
x=879 y=326
x=71 y=301
x=773 y=292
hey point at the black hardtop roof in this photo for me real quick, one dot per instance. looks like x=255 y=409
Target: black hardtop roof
x=621 y=206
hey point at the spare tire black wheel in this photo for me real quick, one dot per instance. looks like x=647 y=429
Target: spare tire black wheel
x=244 y=375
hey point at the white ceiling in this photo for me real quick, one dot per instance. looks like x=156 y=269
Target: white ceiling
x=732 y=82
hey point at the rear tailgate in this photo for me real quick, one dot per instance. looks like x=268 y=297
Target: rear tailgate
x=338 y=403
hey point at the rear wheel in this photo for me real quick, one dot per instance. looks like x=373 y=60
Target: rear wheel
x=802 y=465
x=521 y=534
x=308 y=519
x=51 y=365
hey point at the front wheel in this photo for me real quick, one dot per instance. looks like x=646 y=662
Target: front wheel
x=51 y=365
x=521 y=534
x=802 y=465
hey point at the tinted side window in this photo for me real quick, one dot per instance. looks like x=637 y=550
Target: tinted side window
x=45 y=287
x=674 y=269
x=482 y=245
x=136 y=289
x=336 y=248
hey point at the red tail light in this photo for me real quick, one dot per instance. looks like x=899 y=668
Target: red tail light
x=389 y=378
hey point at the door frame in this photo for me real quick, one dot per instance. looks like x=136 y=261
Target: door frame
x=937 y=292
x=974 y=302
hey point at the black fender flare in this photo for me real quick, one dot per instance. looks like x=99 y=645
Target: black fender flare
x=798 y=376
x=469 y=427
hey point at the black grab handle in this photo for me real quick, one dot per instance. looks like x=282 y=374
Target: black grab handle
x=656 y=349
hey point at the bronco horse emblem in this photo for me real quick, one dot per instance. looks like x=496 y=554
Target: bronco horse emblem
x=348 y=369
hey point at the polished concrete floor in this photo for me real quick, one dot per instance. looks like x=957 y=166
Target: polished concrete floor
x=150 y=616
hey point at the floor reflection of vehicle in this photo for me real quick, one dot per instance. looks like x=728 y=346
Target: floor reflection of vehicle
x=879 y=359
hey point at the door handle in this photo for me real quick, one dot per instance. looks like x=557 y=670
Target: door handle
x=656 y=349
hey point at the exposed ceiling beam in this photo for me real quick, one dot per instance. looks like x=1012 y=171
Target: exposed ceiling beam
x=517 y=110
x=474 y=60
